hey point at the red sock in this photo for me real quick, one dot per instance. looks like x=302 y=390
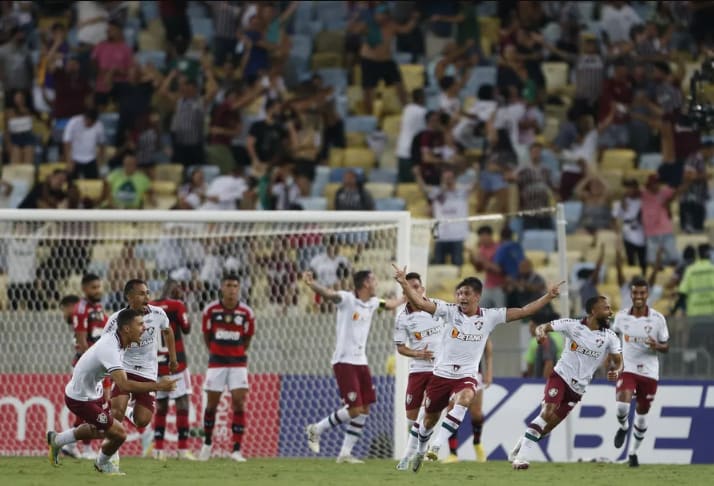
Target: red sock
x=453 y=444
x=238 y=429
x=159 y=430
x=182 y=428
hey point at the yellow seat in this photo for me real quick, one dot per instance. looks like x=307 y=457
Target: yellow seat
x=332 y=41
x=330 y=191
x=410 y=192
x=45 y=170
x=556 y=75
x=337 y=157
x=164 y=202
x=321 y=60
x=619 y=159
x=355 y=100
x=489 y=28
x=91 y=188
x=164 y=188
x=19 y=172
x=438 y=275
x=412 y=76
x=169 y=172
x=537 y=257
x=380 y=190
x=419 y=209
x=391 y=126
x=356 y=139
x=613 y=178
x=359 y=157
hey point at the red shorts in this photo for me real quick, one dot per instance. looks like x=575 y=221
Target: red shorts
x=93 y=412
x=146 y=399
x=416 y=386
x=558 y=392
x=439 y=391
x=355 y=384
x=644 y=388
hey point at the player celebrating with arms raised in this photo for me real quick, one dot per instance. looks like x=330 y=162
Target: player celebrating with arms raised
x=228 y=328
x=84 y=394
x=170 y=302
x=140 y=361
x=349 y=361
x=463 y=341
x=588 y=342
x=417 y=335
x=644 y=334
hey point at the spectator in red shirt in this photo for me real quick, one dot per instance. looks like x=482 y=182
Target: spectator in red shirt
x=428 y=148
x=616 y=97
x=71 y=90
x=113 y=59
x=483 y=260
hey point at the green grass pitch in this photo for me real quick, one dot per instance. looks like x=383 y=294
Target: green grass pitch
x=22 y=471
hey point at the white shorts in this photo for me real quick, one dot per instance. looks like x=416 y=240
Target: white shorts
x=218 y=378
x=183 y=386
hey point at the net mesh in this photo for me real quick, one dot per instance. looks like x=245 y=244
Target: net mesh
x=290 y=374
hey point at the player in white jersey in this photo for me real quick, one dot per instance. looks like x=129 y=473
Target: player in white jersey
x=417 y=335
x=140 y=360
x=349 y=361
x=84 y=394
x=644 y=333
x=588 y=342
x=456 y=367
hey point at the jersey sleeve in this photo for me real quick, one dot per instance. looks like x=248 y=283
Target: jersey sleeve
x=110 y=357
x=614 y=343
x=79 y=319
x=563 y=325
x=345 y=298
x=496 y=316
x=164 y=322
x=663 y=331
x=206 y=321
x=111 y=325
x=616 y=324
x=250 y=322
x=182 y=316
x=400 y=330
x=443 y=309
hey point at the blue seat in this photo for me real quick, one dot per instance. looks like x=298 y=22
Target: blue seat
x=301 y=46
x=335 y=77
x=403 y=57
x=210 y=172
x=543 y=240
x=150 y=10
x=331 y=12
x=322 y=177
x=202 y=26
x=110 y=122
x=130 y=36
x=313 y=203
x=573 y=212
x=650 y=161
x=710 y=209
x=478 y=77
x=383 y=175
x=156 y=58
x=364 y=124
x=390 y=204
x=337 y=173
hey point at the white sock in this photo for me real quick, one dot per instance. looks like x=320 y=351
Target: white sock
x=352 y=433
x=623 y=411
x=412 y=440
x=333 y=420
x=638 y=432
x=423 y=438
x=102 y=458
x=530 y=439
x=64 y=438
x=450 y=425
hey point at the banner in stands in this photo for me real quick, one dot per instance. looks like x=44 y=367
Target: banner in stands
x=680 y=423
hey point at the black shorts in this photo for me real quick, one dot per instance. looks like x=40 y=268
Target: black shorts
x=373 y=71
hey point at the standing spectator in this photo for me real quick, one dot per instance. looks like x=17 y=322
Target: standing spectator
x=657 y=221
x=282 y=273
x=615 y=100
x=187 y=123
x=428 y=148
x=130 y=188
x=16 y=67
x=617 y=19
x=534 y=190
x=21 y=258
x=483 y=259
x=71 y=89
x=698 y=284
x=593 y=191
x=413 y=121
x=497 y=167
x=92 y=22
x=527 y=284
x=627 y=215
x=692 y=203
x=83 y=144
x=134 y=97
x=225 y=19
x=442 y=17
x=376 y=54
x=258 y=51
x=448 y=202
x=352 y=196
x=509 y=254
x=175 y=19
x=329 y=267
x=112 y=59
x=18 y=119
x=269 y=140
x=284 y=190
x=226 y=191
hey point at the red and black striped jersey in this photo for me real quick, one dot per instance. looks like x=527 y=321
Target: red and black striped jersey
x=88 y=317
x=228 y=331
x=180 y=325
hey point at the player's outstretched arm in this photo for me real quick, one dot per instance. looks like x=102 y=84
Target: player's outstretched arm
x=391 y=304
x=517 y=313
x=125 y=384
x=324 y=292
x=541 y=332
x=416 y=300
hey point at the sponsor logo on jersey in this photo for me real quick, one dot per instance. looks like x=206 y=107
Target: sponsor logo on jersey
x=635 y=339
x=355 y=316
x=224 y=335
x=575 y=347
x=419 y=335
x=456 y=334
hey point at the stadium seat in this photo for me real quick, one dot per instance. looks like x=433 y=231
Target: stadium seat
x=169 y=172
x=336 y=157
x=544 y=240
x=301 y=46
x=391 y=126
x=360 y=158
x=164 y=188
x=323 y=60
x=479 y=76
x=19 y=172
x=356 y=139
x=573 y=212
x=364 y=124
x=203 y=27
x=335 y=77
x=489 y=27
x=322 y=177
x=155 y=58
x=337 y=173
x=313 y=203
x=537 y=257
x=164 y=202
x=390 y=204
x=650 y=161
x=621 y=159
x=45 y=170
x=383 y=175
x=330 y=41
x=556 y=75
x=330 y=191
x=380 y=190
x=150 y=41
x=710 y=209
x=91 y=188
x=410 y=192
x=412 y=76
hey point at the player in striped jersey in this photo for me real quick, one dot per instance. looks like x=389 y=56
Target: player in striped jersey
x=170 y=302
x=228 y=326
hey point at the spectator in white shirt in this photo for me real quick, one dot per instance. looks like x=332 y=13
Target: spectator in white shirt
x=193 y=194
x=413 y=122
x=627 y=216
x=226 y=191
x=617 y=18
x=330 y=267
x=83 y=144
